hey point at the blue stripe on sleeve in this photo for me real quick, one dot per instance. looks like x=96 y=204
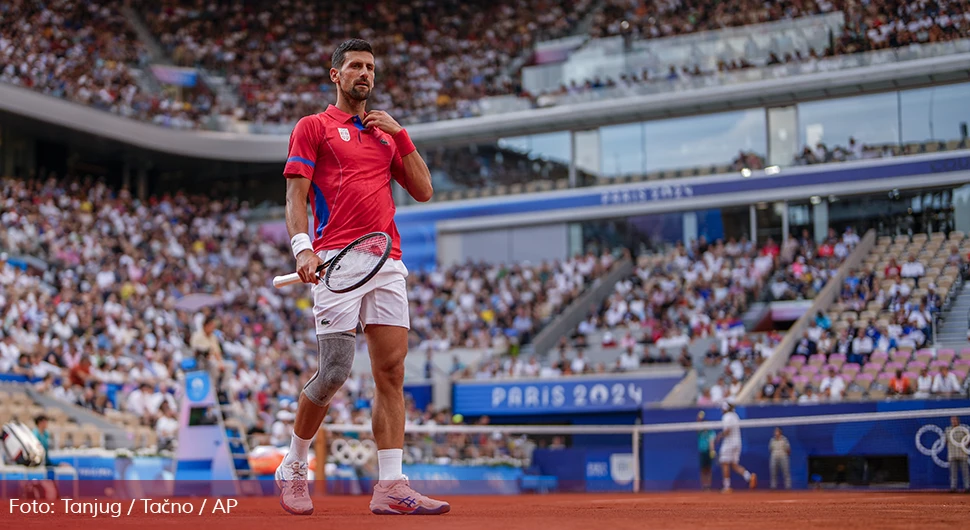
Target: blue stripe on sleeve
x=301 y=159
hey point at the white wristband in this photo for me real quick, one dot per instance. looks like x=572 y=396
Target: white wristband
x=299 y=243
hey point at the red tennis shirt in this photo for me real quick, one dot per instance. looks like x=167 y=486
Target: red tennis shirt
x=350 y=170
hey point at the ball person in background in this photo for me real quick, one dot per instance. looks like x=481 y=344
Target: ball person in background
x=731 y=448
x=956 y=455
x=342 y=160
x=705 y=453
x=780 y=454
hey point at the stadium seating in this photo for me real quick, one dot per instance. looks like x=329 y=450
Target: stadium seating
x=142 y=294
x=433 y=67
x=884 y=317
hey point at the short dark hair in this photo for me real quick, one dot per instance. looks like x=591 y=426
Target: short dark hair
x=352 y=45
x=39 y=419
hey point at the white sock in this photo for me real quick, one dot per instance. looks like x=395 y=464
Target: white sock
x=727 y=483
x=747 y=475
x=389 y=464
x=298 y=450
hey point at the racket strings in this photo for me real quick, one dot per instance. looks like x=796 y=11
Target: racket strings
x=357 y=263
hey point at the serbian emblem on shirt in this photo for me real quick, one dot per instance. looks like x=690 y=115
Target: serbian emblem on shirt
x=344 y=134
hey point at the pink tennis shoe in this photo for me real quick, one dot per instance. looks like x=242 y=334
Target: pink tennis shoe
x=397 y=498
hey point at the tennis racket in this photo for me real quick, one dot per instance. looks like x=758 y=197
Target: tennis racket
x=352 y=267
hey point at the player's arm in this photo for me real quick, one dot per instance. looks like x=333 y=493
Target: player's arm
x=408 y=167
x=300 y=163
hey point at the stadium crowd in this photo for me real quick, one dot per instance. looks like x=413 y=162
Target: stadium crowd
x=876 y=339
x=87 y=53
x=875 y=25
x=689 y=292
x=122 y=295
x=496 y=306
x=433 y=65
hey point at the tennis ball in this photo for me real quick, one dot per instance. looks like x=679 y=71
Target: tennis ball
x=457 y=418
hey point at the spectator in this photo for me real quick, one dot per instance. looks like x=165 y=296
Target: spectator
x=924 y=384
x=780 y=451
x=945 y=383
x=629 y=360
x=44 y=436
x=809 y=396
x=833 y=386
x=900 y=385
x=912 y=268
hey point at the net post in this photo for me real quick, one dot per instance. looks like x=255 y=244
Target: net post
x=320 y=471
x=636 y=459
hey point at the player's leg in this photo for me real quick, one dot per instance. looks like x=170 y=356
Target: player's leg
x=388 y=346
x=335 y=357
x=384 y=312
x=773 y=469
x=749 y=477
x=786 y=471
x=725 y=476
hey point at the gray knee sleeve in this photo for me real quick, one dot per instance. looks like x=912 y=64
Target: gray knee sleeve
x=335 y=357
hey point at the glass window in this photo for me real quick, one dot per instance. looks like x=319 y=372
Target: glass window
x=871 y=120
x=704 y=141
x=519 y=160
x=622 y=150
x=937 y=113
x=551 y=146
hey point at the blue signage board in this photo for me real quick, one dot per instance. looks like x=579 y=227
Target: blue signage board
x=417 y=223
x=559 y=396
x=670 y=460
x=421 y=393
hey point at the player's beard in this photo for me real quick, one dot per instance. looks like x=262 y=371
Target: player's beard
x=357 y=93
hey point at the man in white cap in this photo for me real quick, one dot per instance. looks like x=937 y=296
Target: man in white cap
x=730 y=453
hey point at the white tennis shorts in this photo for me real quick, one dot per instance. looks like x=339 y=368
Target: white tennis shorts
x=382 y=300
x=730 y=453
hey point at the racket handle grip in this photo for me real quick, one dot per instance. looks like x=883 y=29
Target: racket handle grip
x=287 y=279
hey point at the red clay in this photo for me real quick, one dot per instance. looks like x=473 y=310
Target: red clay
x=876 y=510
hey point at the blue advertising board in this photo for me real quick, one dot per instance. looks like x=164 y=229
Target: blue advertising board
x=587 y=470
x=670 y=460
x=559 y=396
x=417 y=224
x=421 y=393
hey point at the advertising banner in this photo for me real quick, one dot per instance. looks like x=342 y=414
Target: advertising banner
x=559 y=396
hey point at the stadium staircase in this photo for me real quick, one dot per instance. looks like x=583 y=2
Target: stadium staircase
x=226 y=95
x=156 y=53
x=570 y=317
x=238 y=448
x=952 y=332
x=825 y=298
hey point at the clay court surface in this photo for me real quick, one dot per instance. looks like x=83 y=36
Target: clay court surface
x=572 y=511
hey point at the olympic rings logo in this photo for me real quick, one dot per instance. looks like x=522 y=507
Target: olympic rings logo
x=353 y=452
x=940 y=444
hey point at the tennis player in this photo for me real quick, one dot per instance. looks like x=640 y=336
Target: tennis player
x=731 y=448
x=343 y=160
